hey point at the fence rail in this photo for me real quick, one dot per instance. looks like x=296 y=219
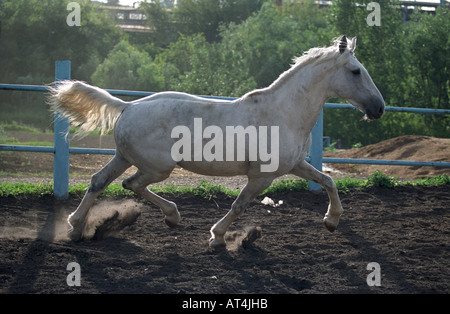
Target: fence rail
x=61 y=149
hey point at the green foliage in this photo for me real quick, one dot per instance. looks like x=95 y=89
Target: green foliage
x=344 y=185
x=379 y=179
x=429 y=57
x=13 y=126
x=268 y=51
x=34 y=34
x=160 y=21
x=437 y=180
x=212 y=72
x=128 y=68
x=286 y=185
x=24 y=190
x=191 y=17
x=207 y=190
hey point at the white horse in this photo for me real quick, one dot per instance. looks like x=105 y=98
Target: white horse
x=144 y=131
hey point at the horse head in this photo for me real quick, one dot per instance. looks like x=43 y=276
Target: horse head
x=352 y=81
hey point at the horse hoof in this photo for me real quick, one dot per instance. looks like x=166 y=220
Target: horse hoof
x=172 y=221
x=329 y=225
x=217 y=245
x=74 y=235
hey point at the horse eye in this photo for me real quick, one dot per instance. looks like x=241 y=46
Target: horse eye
x=356 y=72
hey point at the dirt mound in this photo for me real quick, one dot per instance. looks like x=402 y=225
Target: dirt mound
x=408 y=147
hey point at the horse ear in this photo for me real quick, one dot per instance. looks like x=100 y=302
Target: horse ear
x=353 y=44
x=343 y=44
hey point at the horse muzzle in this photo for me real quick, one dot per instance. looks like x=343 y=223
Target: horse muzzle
x=374 y=109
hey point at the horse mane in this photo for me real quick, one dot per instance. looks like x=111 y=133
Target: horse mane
x=317 y=55
x=321 y=54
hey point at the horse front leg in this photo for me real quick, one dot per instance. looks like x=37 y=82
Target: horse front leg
x=253 y=188
x=335 y=210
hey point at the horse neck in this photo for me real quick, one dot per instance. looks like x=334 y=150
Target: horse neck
x=301 y=93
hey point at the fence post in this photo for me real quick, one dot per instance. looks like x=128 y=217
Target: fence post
x=316 y=150
x=61 y=142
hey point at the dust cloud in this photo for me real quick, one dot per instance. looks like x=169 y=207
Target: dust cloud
x=105 y=219
x=242 y=239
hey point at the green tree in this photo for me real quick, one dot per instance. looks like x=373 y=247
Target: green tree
x=128 y=68
x=205 y=16
x=429 y=43
x=268 y=40
x=428 y=77
x=160 y=20
x=34 y=34
x=192 y=17
x=193 y=65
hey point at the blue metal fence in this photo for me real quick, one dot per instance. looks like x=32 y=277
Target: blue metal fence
x=61 y=149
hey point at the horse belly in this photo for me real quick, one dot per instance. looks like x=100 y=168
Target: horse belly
x=216 y=168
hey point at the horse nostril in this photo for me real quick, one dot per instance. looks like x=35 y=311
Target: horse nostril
x=375 y=113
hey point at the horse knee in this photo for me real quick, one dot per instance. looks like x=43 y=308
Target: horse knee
x=328 y=183
x=238 y=209
x=139 y=181
x=134 y=185
x=126 y=184
x=98 y=183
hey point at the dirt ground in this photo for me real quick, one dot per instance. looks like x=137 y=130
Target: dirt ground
x=405 y=230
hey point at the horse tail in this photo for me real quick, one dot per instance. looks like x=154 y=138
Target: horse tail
x=86 y=106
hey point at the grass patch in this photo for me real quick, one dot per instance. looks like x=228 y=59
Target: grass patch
x=24 y=189
x=286 y=185
x=18 y=127
x=207 y=190
x=30 y=143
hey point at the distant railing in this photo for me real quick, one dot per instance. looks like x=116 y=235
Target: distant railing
x=61 y=149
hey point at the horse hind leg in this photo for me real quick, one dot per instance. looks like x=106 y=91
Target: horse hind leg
x=99 y=182
x=138 y=183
